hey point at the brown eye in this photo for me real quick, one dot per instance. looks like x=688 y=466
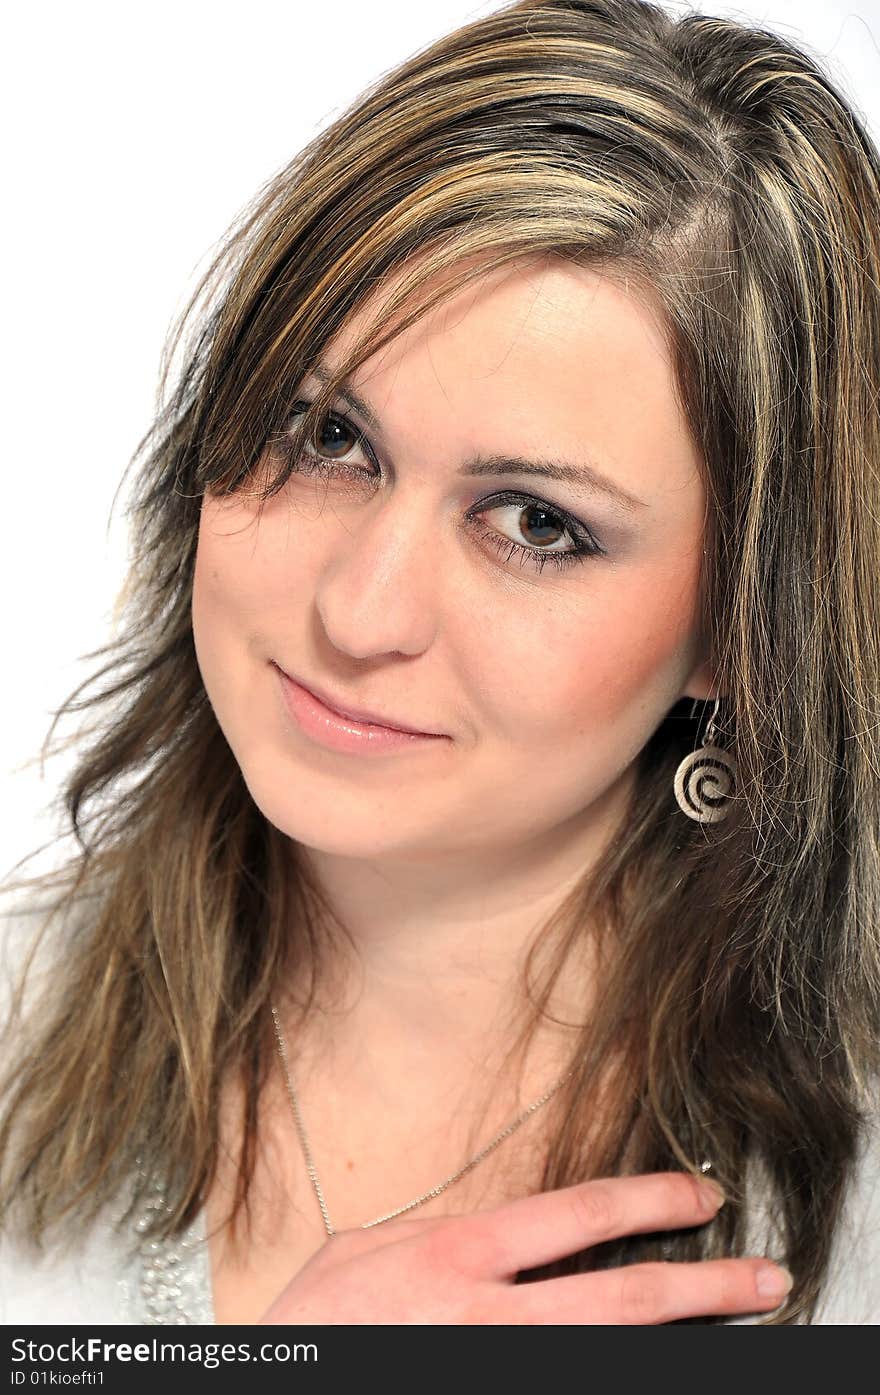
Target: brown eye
x=331 y=446
x=331 y=436
x=538 y=525
x=541 y=526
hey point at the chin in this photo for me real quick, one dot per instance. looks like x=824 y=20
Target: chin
x=314 y=811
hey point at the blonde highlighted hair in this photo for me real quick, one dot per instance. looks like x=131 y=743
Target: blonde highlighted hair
x=715 y=168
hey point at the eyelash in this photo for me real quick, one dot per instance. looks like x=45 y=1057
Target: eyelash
x=585 y=544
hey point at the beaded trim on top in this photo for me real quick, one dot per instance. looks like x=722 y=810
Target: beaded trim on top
x=175 y=1276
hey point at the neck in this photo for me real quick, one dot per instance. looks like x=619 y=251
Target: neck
x=431 y=968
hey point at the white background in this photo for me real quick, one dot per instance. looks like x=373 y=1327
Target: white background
x=134 y=135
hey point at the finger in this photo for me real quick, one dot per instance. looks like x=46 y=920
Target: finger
x=647 y=1294
x=538 y=1229
x=361 y=1239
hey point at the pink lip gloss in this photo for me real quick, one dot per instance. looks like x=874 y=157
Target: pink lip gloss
x=339 y=733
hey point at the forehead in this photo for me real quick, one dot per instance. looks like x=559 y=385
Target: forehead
x=540 y=357
x=513 y=306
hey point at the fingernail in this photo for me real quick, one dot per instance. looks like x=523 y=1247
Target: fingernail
x=711 y=1193
x=773 y=1281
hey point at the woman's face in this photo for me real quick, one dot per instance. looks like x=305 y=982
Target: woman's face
x=394 y=583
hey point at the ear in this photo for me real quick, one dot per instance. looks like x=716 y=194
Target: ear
x=701 y=684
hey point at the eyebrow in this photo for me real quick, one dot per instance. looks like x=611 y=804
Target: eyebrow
x=584 y=476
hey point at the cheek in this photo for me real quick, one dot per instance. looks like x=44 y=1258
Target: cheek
x=212 y=625
x=236 y=571
x=227 y=590
x=247 y=582
x=624 y=655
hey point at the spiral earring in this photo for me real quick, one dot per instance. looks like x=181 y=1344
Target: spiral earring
x=704 y=779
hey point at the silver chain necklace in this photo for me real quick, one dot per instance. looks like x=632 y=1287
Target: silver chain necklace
x=426 y=1196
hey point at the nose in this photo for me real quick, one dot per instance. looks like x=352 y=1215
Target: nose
x=378 y=590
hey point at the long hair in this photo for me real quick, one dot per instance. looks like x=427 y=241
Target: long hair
x=715 y=168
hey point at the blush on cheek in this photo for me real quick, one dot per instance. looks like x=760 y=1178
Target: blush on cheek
x=217 y=625
x=634 y=663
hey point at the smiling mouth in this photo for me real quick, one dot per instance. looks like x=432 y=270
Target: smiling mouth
x=356 y=728
x=357 y=714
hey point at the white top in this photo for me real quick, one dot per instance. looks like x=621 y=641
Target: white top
x=118 y=1277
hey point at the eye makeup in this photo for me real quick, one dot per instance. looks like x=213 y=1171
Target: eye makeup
x=309 y=462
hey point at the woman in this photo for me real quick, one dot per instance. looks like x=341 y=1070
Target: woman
x=454 y=922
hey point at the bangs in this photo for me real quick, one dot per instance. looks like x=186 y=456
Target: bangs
x=264 y=441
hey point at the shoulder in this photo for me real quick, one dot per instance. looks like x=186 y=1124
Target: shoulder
x=851 y=1293
x=95 y=1279
x=27 y=958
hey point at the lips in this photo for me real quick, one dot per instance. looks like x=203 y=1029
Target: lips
x=358 y=714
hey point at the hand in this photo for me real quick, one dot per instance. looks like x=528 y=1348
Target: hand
x=460 y=1269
